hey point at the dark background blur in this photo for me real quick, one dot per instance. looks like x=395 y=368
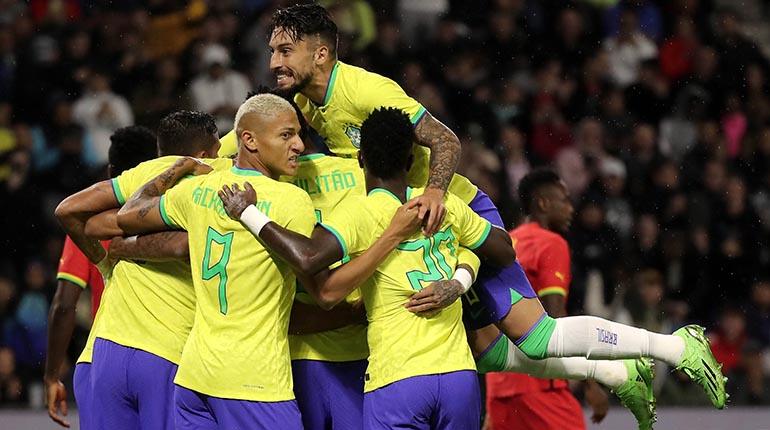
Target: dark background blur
x=655 y=113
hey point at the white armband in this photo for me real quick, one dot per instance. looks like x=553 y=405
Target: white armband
x=254 y=219
x=464 y=277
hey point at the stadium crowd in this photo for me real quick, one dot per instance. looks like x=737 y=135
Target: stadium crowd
x=655 y=113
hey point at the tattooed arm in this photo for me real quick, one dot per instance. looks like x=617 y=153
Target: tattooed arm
x=444 y=157
x=161 y=246
x=74 y=211
x=141 y=213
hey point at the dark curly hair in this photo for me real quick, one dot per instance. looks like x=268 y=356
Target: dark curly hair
x=185 y=132
x=130 y=146
x=302 y=20
x=387 y=136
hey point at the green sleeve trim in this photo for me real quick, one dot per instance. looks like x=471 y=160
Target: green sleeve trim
x=483 y=237
x=72 y=278
x=418 y=116
x=118 y=194
x=343 y=245
x=163 y=213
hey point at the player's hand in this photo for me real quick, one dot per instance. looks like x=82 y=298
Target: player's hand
x=432 y=299
x=597 y=399
x=405 y=221
x=236 y=200
x=193 y=166
x=56 y=398
x=432 y=210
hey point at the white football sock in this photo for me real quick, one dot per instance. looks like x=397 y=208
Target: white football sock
x=599 y=339
x=607 y=372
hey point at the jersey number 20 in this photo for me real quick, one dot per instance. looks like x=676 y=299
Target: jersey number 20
x=220 y=267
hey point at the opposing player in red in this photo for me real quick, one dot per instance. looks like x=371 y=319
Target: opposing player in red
x=518 y=401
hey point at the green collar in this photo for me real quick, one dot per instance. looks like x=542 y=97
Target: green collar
x=245 y=172
x=383 y=190
x=311 y=156
x=330 y=84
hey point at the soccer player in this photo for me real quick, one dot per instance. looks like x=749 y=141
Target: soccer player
x=335 y=99
x=148 y=307
x=518 y=401
x=129 y=146
x=235 y=369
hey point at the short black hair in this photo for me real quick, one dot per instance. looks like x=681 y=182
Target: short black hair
x=185 y=132
x=302 y=20
x=387 y=136
x=531 y=183
x=130 y=146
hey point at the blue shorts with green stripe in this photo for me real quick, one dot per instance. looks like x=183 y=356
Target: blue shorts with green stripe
x=496 y=289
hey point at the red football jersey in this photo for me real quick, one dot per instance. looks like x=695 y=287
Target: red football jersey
x=75 y=267
x=544 y=255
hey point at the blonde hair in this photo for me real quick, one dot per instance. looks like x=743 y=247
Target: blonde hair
x=264 y=105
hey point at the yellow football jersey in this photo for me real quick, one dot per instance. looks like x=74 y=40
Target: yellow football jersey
x=149 y=305
x=238 y=347
x=352 y=94
x=402 y=344
x=228 y=145
x=328 y=181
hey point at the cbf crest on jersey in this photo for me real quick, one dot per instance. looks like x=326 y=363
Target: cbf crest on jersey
x=354 y=134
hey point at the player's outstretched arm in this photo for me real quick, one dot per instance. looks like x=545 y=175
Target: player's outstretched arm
x=331 y=287
x=74 y=211
x=309 y=319
x=141 y=213
x=161 y=246
x=61 y=322
x=440 y=294
x=444 y=156
x=497 y=249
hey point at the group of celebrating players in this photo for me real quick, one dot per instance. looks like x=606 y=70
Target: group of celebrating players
x=265 y=282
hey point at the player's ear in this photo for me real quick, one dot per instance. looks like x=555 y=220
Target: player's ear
x=249 y=140
x=321 y=55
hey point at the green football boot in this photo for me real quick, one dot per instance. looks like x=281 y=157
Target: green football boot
x=636 y=393
x=699 y=364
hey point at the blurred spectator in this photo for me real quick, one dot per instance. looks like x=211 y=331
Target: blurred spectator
x=163 y=94
x=100 y=111
x=620 y=215
x=645 y=303
x=10 y=384
x=676 y=54
x=759 y=313
x=628 y=49
x=728 y=340
x=218 y=89
x=512 y=142
x=647 y=12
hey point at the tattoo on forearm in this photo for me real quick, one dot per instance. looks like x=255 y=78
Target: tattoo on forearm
x=444 y=150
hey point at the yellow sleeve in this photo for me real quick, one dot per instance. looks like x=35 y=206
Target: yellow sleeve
x=376 y=91
x=468 y=257
x=124 y=184
x=353 y=227
x=176 y=204
x=229 y=145
x=302 y=218
x=471 y=228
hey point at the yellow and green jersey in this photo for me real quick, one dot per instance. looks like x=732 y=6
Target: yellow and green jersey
x=402 y=344
x=149 y=305
x=328 y=181
x=228 y=145
x=352 y=94
x=238 y=347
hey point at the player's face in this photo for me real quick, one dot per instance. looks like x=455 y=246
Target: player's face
x=561 y=209
x=279 y=144
x=291 y=61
